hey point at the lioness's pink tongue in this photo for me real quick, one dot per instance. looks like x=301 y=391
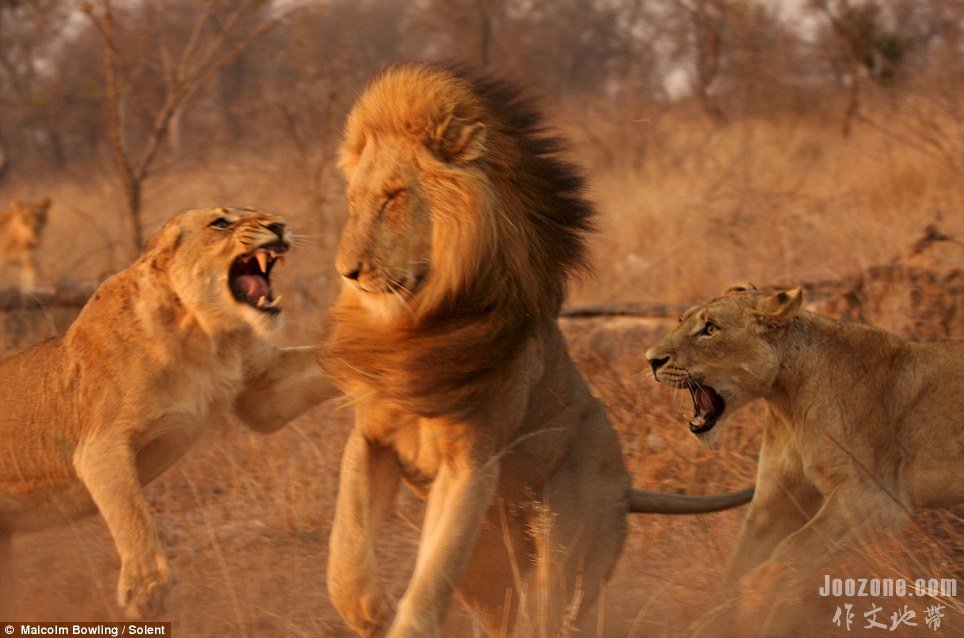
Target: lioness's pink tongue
x=252 y=286
x=704 y=401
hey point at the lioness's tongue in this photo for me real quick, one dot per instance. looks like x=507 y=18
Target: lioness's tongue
x=703 y=400
x=251 y=286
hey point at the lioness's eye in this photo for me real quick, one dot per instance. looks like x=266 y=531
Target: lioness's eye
x=709 y=329
x=220 y=222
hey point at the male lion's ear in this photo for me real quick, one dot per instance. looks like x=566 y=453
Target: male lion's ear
x=741 y=286
x=459 y=141
x=778 y=309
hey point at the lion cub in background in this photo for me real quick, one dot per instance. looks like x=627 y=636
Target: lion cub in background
x=862 y=427
x=20 y=229
x=161 y=350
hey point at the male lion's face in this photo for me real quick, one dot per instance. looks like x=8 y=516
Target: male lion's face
x=220 y=262
x=385 y=250
x=723 y=353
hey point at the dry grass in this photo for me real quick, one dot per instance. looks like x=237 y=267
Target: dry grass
x=246 y=519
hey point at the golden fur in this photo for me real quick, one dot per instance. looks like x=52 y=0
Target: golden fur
x=862 y=428
x=161 y=351
x=20 y=229
x=464 y=226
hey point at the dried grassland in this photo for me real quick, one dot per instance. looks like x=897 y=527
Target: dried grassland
x=246 y=519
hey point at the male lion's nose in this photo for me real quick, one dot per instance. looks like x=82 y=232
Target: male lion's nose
x=352 y=274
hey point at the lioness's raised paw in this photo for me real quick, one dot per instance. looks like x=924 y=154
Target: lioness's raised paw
x=143 y=588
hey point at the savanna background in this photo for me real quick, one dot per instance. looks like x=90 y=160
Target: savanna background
x=816 y=143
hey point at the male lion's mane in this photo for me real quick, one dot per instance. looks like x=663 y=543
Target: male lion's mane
x=508 y=232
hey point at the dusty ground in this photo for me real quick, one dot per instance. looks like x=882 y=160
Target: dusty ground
x=245 y=520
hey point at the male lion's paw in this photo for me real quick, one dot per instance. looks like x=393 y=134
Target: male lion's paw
x=143 y=587
x=366 y=608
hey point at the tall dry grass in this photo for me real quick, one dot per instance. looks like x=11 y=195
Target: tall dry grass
x=687 y=209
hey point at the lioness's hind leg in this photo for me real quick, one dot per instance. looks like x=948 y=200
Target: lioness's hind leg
x=6 y=576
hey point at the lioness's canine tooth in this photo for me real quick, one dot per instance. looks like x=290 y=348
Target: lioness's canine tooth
x=274 y=302
x=262 y=258
x=261 y=301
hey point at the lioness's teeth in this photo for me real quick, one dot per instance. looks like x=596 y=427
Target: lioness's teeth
x=262 y=258
x=262 y=301
x=274 y=302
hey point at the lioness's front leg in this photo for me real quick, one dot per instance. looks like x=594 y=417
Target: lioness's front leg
x=105 y=463
x=783 y=503
x=850 y=514
x=459 y=497
x=290 y=384
x=28 y=270
x=366 y=493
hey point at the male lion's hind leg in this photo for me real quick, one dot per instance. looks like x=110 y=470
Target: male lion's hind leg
x=579 y=528
x=493 y=584
x=106 y=468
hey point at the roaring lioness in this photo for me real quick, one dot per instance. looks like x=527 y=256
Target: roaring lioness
x=162 y=349
x=862 y=428
x=20 y=229
x=463 y=227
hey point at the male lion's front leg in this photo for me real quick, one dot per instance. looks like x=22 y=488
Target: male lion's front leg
x=106 y=466
x=366 y=492
x=460 y=495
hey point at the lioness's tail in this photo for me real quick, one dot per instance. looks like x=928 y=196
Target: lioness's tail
x=646 y=502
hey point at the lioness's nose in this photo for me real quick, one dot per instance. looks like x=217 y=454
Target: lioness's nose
x=277 y=229
x=655 y=360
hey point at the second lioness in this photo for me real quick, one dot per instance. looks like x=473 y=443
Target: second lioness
x=862 y=428
x=162 y=350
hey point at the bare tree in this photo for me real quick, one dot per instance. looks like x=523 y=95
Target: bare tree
x=220 y=33
x=869 y=47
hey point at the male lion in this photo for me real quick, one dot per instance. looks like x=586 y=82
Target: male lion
x=463 y=228
x=862 y=427
x=162 y=349
x=20 y=230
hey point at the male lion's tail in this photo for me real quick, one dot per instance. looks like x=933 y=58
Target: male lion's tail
x=646 y=502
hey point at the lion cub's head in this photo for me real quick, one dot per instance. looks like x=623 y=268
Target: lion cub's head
x=218 y=261
x=723 y=352
x=29 y=219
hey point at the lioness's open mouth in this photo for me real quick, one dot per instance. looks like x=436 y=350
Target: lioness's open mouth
x=708 y=406
x=250 y=277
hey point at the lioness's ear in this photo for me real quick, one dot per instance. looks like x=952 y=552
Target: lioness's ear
x=459 y=141
x=779 y=309
x=742 y=286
